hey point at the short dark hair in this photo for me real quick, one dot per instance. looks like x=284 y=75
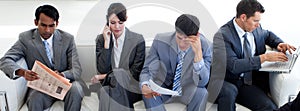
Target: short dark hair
x=187 y=24
x=117 y=8
x=48 y=10
x=248 y=7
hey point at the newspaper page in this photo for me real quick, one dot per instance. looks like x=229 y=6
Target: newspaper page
x=50 y=82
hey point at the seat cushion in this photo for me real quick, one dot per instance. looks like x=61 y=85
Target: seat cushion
x=139 y=106
x=214 y=107
x=285 y=86
x=89 y=103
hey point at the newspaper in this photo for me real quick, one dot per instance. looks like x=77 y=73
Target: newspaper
x=50 y=82
x=161 y=90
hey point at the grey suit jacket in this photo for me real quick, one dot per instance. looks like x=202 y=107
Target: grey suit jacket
x=160 y=66
x=30 y=47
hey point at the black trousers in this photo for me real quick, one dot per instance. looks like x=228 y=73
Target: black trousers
x=249 y=96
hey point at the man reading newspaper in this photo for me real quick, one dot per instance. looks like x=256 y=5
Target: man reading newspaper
x=54 y=48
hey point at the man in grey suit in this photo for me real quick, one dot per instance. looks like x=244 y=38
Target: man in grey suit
x=184 y=54
x=54 y=48
x=239 y=49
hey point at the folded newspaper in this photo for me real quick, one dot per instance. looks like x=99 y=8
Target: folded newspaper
x=161 y=90
x=50 y=82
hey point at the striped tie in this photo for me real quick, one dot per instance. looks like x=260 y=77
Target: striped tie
x=176 y=83
x=47 y=47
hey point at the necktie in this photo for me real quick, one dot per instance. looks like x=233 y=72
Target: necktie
x=47 y=48
x=247 y=54
x=176 y=82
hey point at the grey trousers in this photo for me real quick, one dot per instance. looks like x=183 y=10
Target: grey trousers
x=38 y=101
x=122 y=96
x=198 y=103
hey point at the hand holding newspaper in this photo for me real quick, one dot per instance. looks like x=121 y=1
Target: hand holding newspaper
x=161 y=90
x=50 y=82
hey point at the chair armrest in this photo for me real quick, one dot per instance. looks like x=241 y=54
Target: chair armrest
x=284 y=86
x=15 y=89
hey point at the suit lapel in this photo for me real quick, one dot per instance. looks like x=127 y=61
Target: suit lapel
x=111 y=47
x=57 y=48
x=236 y=39
x=126 y=47
x=257 y=41
x=172 y=55
x=40 y=47
x=189 y=57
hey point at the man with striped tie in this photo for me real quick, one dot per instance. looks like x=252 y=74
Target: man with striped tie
x=179 y=61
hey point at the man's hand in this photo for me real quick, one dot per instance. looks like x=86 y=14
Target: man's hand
x=273 y=56
x=97 y=78
x=196 y=46
x=148 y=93
x=106 y=35
x=56 y=71
x=283 y=47
x=28 y=74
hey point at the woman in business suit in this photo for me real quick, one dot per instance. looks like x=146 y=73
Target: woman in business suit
x=121 y=54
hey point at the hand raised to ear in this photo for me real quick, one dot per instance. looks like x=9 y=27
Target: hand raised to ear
x=106 y=35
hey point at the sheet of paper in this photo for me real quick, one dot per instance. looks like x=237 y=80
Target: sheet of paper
x=162 y=90
x=49 y=83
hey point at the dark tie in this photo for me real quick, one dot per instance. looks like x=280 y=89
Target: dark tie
x=176 y=82
x=247 y=54
x=47 y=48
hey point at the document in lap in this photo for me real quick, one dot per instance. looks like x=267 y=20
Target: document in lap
x=50 y=82
x=161 y=90
x=284 y=67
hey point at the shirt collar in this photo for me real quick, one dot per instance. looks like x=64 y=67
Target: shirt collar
x=122 y=37
x=238 y=29
x=185 y=51
x=49 y=40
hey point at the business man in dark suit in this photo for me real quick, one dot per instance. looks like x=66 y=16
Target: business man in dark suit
x=61 y=57
x=244 y=48
x=184 y=54
x=121 y=53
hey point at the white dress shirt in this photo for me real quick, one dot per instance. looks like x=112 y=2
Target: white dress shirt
x=250 y=37
x=118 y=48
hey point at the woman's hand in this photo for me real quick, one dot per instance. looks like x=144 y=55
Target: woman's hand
x=97 y=78
x=106 y=35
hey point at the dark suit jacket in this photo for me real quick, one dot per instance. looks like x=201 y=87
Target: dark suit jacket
x=132 y=56
x=235 y=62
x=31 y=47
x=131 y=61
x=160 y=66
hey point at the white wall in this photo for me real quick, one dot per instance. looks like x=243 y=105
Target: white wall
x=17 y=16
x=281 y=16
